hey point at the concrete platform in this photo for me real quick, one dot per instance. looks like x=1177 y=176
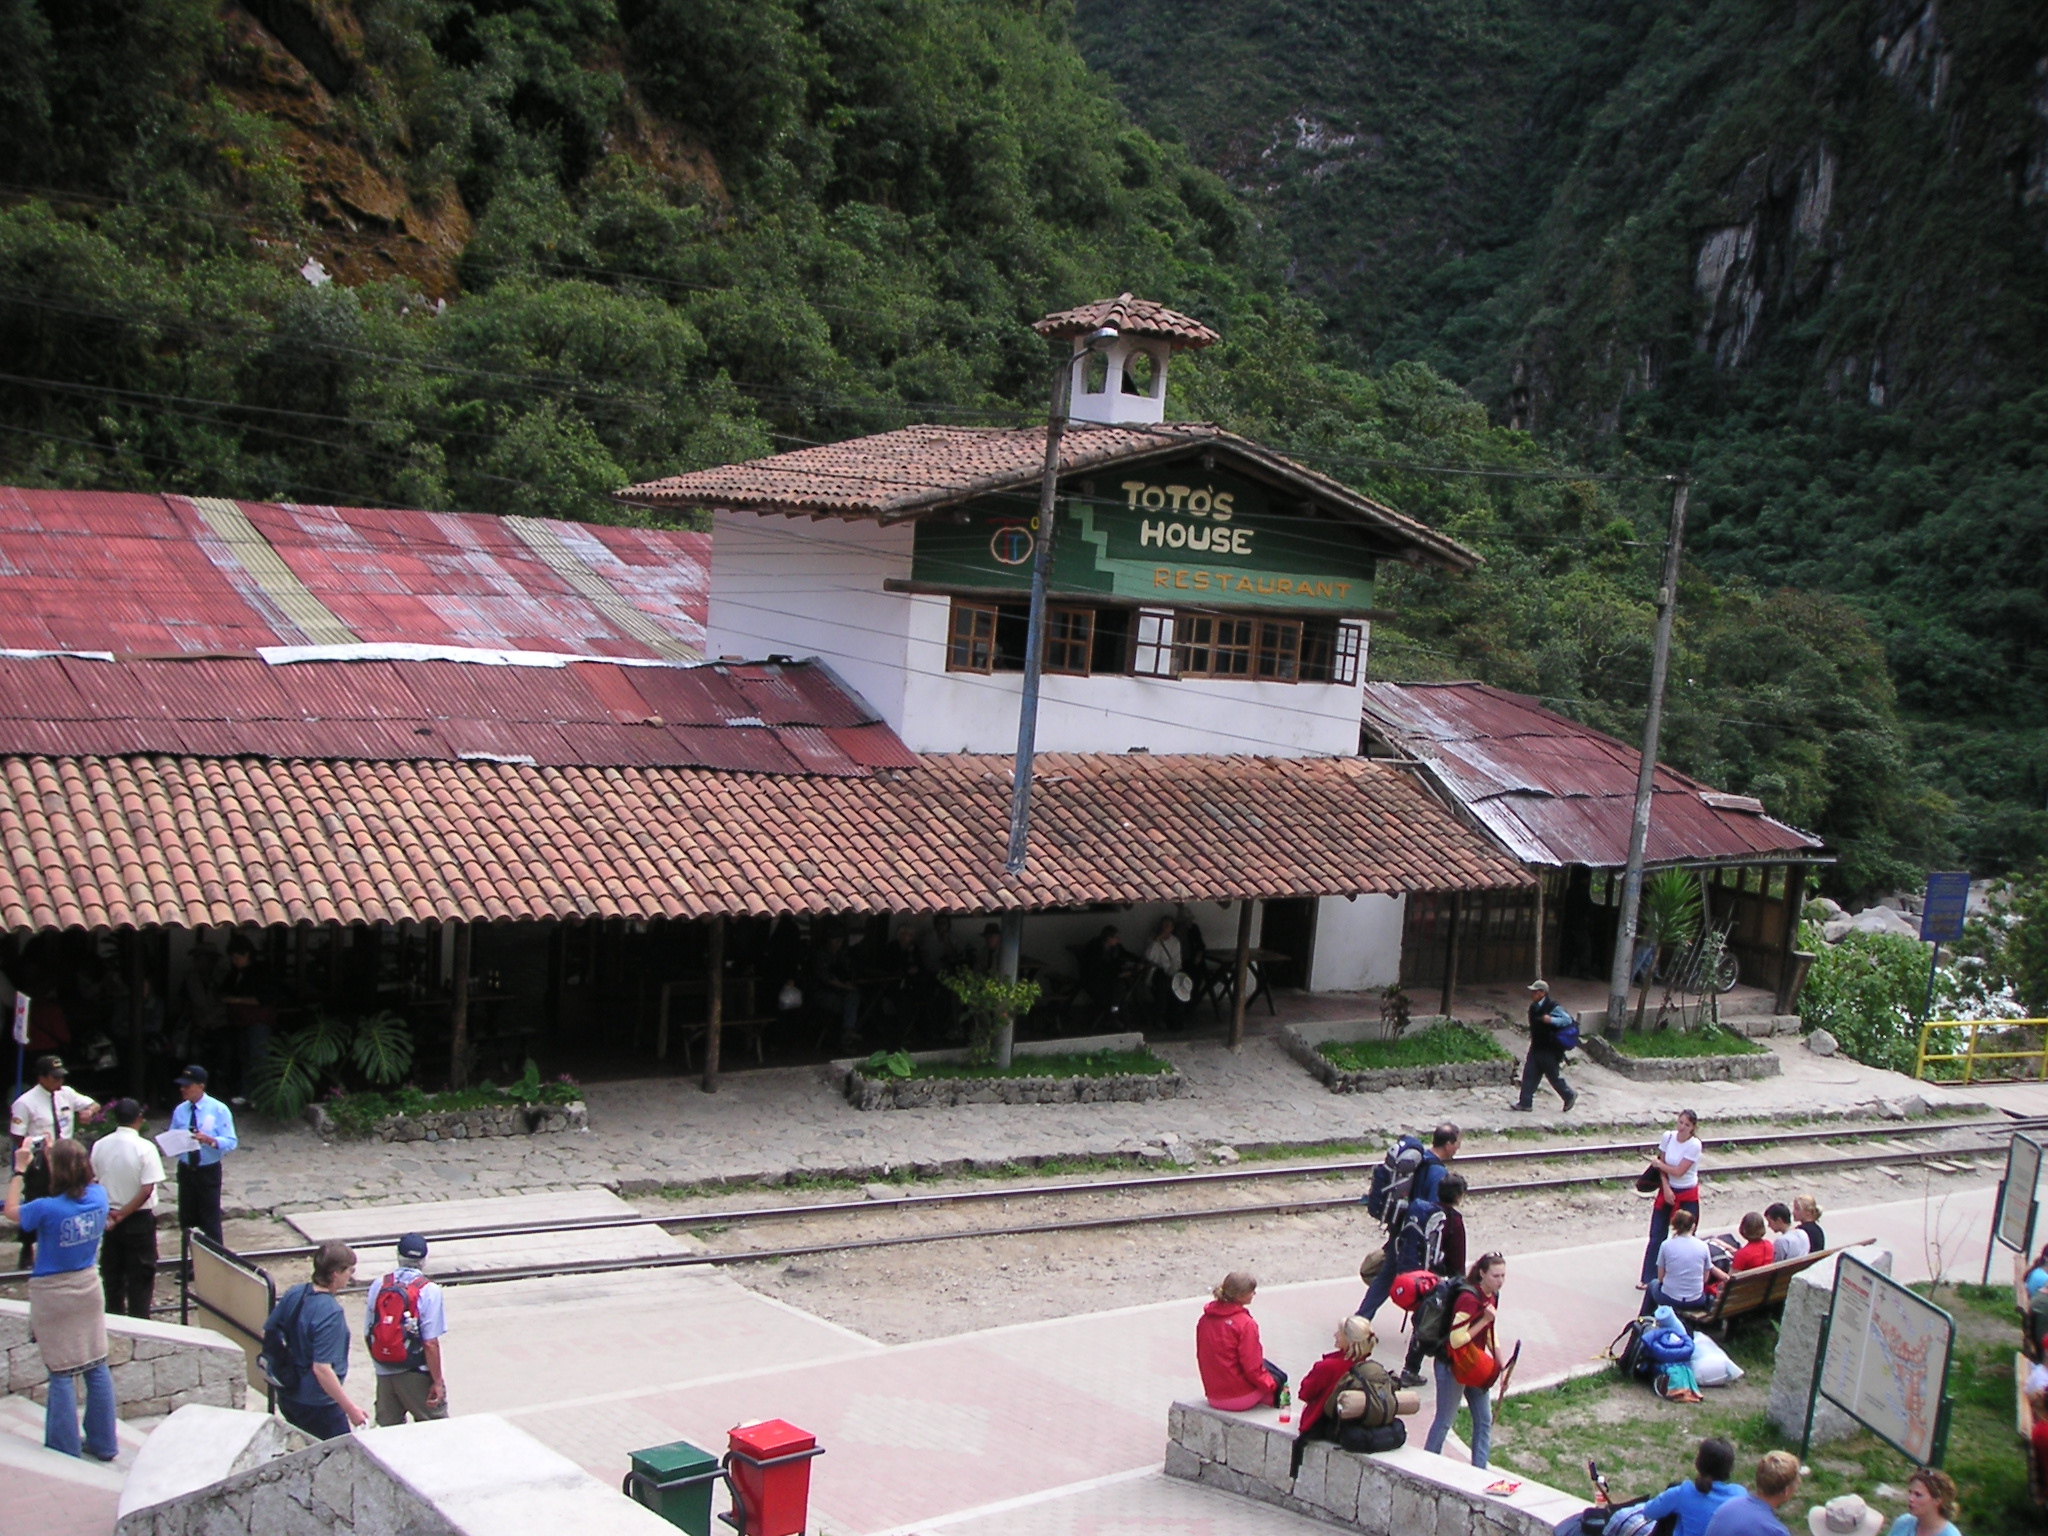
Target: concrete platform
x=373 y=1231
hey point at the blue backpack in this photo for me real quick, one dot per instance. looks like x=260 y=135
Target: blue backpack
x=1566 y=1028
x=1393 y=1182
x=279 y=1360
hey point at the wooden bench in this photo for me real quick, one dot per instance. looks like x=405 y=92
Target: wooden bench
x=1763 y=1289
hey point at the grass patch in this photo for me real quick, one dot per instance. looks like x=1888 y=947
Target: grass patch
x=1643 y=1443
x=1093 y=1064
x=357 y=1114
x=1434 y=1046
x=1711 y=1040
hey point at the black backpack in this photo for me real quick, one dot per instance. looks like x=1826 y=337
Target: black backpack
x=280 y=1360
x=1394 y=1181
x=1433 y=1315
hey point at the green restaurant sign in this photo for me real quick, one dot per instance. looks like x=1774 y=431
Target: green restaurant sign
x=1164 y=537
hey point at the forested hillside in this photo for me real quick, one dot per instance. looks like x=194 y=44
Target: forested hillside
x=1801 y=250
x=510 y=254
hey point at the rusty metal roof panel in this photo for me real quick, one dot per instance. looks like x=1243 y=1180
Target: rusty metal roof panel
x=1553 y=791
x=737 y=749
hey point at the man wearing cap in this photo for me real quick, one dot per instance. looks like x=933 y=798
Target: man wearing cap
x=46 y=1112
x=212 y=1124
x=1546 y=1054
x=129 y=1168
x=414 y=1385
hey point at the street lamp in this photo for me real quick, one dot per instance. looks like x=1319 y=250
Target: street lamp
x=1034 y=661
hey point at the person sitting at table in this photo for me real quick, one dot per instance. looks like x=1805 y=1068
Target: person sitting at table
x=1163 y=954
x=832 y=987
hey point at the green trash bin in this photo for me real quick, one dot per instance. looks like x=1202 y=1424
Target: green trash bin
x=675 y=1481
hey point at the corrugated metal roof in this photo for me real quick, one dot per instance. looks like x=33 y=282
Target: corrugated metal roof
x=1553 y=791
x=588 y=714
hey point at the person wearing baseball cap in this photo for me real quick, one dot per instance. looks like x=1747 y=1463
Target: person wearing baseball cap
x=1546 y=1052
x=212 y=1124
x=404 y=1318
x=46 y=1112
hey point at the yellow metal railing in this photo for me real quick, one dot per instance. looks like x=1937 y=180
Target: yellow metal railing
x=1970 y=1055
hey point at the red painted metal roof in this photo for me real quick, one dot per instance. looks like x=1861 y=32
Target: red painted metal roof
x=1553 y=791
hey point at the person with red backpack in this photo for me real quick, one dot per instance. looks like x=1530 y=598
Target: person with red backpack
x=404 y=1319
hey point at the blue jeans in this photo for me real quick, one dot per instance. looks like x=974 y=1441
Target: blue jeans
x=60 y=1419
x=323 y=1420
x=1478 y=1399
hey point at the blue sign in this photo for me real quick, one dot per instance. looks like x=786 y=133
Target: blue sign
x=1948 y=900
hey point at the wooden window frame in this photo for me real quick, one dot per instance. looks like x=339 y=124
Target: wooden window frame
x=1086 y=642
x=984 y=637
x=1276 y=651
x=1153 y=638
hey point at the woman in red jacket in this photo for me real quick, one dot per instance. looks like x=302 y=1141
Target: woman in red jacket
x=1235 y=1371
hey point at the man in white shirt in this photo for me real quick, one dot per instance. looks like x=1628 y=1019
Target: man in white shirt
x=1787 y=1241
x=1164 y=956
x=47 y=1112
x=129 y=1168
x=1678 y=1165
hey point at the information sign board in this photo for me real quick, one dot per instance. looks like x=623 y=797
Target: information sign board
x=2014 y=1223
x=1943 y=913
x=1886 y=1358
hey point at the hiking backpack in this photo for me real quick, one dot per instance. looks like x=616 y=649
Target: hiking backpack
x=1420 y=1242
x=1372 y=1394
x=395 y=1323
x=279 y=1360
x=1647 y=1347
x=1393 y=1182
x=1566 y=1028
x=1433 y=1314
x=1411 y=1287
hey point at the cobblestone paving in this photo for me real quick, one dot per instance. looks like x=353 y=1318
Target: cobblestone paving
x=765 y=1126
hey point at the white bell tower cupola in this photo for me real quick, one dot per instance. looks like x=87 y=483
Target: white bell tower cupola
x=1122 y=348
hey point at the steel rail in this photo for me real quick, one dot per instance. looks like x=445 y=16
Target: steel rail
x=1142 y=1182
x=1129 y=1219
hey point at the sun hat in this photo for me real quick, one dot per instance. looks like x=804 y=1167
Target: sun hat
x=1846 y=1515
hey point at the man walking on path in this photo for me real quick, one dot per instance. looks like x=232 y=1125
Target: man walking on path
x=46 y=1112
x=1546 y=1051
x=129 y=1168
x=404 y=1318
x=212 y=1123
x=1444 y=1142
x=316 y=1333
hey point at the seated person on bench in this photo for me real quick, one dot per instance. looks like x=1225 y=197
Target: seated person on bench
x=1349 y=1398
x=1787 y=1241
x=1685 y=1269
x=1756 y=1250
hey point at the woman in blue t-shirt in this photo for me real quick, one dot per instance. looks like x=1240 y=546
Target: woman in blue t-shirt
x=1695 y=1502
x=1930 y=1505
x=65 y=1308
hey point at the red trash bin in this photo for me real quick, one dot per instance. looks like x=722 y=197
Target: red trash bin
x=777 y=1497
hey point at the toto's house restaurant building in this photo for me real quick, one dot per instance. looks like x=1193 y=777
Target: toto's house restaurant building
x=517 y=780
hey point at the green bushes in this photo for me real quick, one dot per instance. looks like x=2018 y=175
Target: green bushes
x=300 y=1064
x=1867 y=991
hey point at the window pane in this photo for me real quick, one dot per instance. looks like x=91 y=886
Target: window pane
x=1111 y=651
x=1152 y=644
x=1318 y=646
x=1013 y=630
x=1344 y=665
x=1279 y=649
x=972 y=643
x=1233 y=657
x=1195 y=643
x=1069 y=637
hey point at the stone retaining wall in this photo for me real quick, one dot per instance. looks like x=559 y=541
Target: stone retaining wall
x=157 y=1367
x=1681 y=1069
x=1408 y=1492
x=1300 y=1042
x=464 y=1124
x=865 y=1092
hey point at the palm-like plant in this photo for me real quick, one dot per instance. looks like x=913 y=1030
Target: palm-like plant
x=288 y=1078
x=1670 y=914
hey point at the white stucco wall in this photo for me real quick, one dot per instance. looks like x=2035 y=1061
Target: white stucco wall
x=1358 y=943
x=789 y=586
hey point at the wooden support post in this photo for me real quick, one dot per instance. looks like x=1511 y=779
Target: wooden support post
x=458 y=1013
x=1241 y=971
x=1542 y=883
x=131 y=969
x=1795 y=902
x=714 y=999
x=1451 y=958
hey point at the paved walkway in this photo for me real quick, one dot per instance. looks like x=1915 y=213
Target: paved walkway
x=767 y=1125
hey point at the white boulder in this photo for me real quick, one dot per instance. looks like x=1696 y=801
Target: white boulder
x=1821 y=1043
x=1884 y=920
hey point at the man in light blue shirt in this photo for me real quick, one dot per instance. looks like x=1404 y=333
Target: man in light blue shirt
x=213 y=1124
x=405 y=1346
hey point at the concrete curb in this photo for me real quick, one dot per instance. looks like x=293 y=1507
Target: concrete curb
x=1682 y=1069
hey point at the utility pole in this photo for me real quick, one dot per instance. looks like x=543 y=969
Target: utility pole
x=1639 y=826
x=1034 y=667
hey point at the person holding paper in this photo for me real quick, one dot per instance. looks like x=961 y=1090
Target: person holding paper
x=212 y=1125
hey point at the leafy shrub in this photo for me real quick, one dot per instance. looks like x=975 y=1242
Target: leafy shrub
x=1433 y=1046
x=300 y=1063
x=357 y=1113
x=989 y=1002
x=1867 y=991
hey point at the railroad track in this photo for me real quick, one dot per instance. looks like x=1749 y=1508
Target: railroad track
x=1881 y=1148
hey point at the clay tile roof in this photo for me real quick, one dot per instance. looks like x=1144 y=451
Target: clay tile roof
x=1132 y=317
x=116 y=842
x=1553 y=791
x=915 y=471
